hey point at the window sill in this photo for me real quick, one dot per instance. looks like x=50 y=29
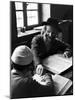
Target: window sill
x=20 y=34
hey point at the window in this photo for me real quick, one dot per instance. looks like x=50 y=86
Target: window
x=18 y=5
x=26 y=14
x=19 y=14
x=32 y=14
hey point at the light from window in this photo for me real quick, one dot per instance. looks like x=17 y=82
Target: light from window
x=20 y=20
x=32 y=14
x=32 y=6
x=19 y=5
x=32 y=18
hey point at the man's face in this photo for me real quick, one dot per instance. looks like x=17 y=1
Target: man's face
x=50 y=32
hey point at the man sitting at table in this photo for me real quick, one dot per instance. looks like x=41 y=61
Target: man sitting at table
x=47 y=44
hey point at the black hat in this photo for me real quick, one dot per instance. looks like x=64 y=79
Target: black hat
x=52 y=22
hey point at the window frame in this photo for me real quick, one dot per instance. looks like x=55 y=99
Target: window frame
x=25 y=14
x=19 y=11
x=33 y=10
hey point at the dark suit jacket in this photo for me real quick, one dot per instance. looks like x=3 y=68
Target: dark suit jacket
x=42 y=49
x=24 y=87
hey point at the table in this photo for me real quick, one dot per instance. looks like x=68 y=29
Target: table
x=68 y=73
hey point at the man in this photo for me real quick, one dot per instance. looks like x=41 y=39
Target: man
x=23 y=82
x=48 y=44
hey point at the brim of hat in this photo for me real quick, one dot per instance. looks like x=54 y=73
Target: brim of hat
x=55 y=26
x=44 y=23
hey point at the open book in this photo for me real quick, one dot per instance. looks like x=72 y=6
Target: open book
x=57 y=63
x=61 y=84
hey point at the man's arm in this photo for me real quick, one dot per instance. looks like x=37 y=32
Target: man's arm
x=58 y=46
x=38 y=49
x=64 y=47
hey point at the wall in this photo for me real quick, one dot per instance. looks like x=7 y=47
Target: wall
x=45 y=11
x=13 y=29
x=61 y=11
x=64 y=12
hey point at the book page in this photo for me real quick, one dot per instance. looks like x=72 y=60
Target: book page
x=57 y=63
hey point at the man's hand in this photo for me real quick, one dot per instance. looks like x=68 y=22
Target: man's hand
x=39 y=69
x=45 y=80
x=67 y=54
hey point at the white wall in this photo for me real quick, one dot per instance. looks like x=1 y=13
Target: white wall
x=45 y=11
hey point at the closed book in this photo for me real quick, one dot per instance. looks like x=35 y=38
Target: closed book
x=61 y=84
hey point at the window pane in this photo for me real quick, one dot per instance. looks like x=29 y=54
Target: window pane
x=32 y=17
x=32 y=6
x=19 y=16
x=19 y=5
